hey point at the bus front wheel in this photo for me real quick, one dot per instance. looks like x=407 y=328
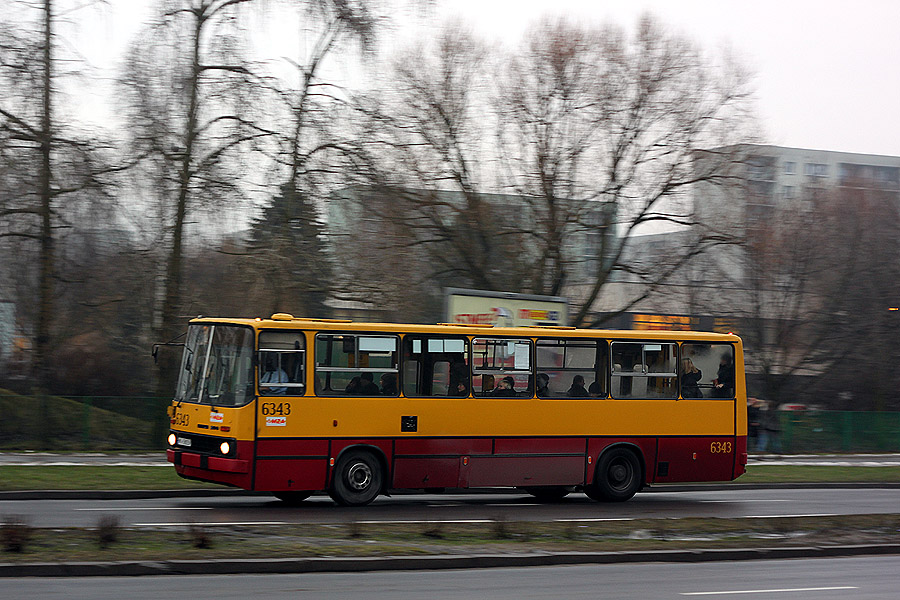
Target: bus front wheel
x=618 y=476
x=357 y=479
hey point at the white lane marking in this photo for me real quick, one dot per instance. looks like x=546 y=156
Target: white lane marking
x=414 y=522
x=187 y=524
x=772 y=591
x=151 y=508
x=514 y=504
x=593 y=520
x=741 y=501
x=789 y=516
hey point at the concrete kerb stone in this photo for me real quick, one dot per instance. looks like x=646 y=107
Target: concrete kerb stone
x=418 y=563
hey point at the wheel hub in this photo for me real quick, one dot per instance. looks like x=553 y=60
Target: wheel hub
x=359 y=476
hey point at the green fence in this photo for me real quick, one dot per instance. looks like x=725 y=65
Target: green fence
x=95 y=423
x=103 y=423
x=839 y=431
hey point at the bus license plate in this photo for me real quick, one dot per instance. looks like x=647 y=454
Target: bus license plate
x=183 y=441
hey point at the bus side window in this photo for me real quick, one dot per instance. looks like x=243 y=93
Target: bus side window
x=282 y=363
x=501 y=367
x=564 y=360
x=352 y=364
x=715 y=363
x=435 y=366
x=643 y=370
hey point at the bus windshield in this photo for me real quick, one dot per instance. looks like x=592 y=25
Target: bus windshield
x=217 y=366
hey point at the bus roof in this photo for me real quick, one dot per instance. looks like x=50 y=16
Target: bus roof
x=286 y=321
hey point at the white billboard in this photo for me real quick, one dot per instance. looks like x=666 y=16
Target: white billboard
x=503 y=309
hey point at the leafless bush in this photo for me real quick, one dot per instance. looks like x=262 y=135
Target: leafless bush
x=15 y=533
x=201 y=537
x=108 y=530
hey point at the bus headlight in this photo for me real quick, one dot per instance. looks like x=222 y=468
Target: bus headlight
x=171 y=439
x=225 y=447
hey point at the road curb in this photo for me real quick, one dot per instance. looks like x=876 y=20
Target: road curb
x=212 y=493
x=419 y=563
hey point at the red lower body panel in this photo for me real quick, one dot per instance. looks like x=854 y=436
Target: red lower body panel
x=419 y=463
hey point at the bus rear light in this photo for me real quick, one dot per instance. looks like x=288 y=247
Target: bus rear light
x=330 y=462
x=225 y=447
x=589 y=460
x=171 y=439
x=465 y=460
x=695 y=456
x=225 y=428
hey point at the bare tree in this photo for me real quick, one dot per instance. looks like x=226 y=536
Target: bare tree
x=188 y=88
x=589 y=138
x=288 y=262
x=49 y=166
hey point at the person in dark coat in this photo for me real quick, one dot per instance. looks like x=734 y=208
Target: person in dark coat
x=690 y=379
x=577 y=389
x=367 y=385
x=724 y=384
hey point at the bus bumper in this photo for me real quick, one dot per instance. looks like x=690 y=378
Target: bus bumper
x=202 y=461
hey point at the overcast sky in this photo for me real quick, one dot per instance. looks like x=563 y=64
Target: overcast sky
x=827 y=72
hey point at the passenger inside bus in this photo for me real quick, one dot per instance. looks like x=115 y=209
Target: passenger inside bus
x=389 y=384
x=577 y=389
x=506 y=388
x=543 y=385
x=724 y=382
x=273 y=374
x=367 y=385
x=690 y=380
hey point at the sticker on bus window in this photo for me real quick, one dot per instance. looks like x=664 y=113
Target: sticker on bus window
x=276 y=421
x=216 y=417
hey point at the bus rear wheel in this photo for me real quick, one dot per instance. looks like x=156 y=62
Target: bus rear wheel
x=618 y=477
x=357 y=479
x=292 y=498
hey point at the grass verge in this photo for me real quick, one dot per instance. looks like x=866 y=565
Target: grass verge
x=357 y=539
x=18 y=477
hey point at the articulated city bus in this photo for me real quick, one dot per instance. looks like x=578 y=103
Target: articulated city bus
x=295 y=406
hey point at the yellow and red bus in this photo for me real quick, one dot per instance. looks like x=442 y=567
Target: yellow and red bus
x=295 y=406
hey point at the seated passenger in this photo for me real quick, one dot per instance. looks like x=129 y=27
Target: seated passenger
x=577 y=390
x=543 y=385
x=273 y=374
x=354 y=386
x=596 y=390
x=389 y=384
x=460 y=390
x=506 y=388
x=367 y=385
x=690 y=380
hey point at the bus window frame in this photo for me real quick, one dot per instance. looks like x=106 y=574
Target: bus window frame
x=301 y=385
x=599 y=364
x=644 y=373
x=424 y=337
x=733 y=348
x=500 y=373
x=317 y=369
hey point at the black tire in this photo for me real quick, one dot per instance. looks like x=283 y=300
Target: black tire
x=618 y=476
x=357 y=479
x=548 y=493
x=292 y=498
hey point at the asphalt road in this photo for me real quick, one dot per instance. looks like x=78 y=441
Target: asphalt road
x=869 y=578
x=179 y=511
